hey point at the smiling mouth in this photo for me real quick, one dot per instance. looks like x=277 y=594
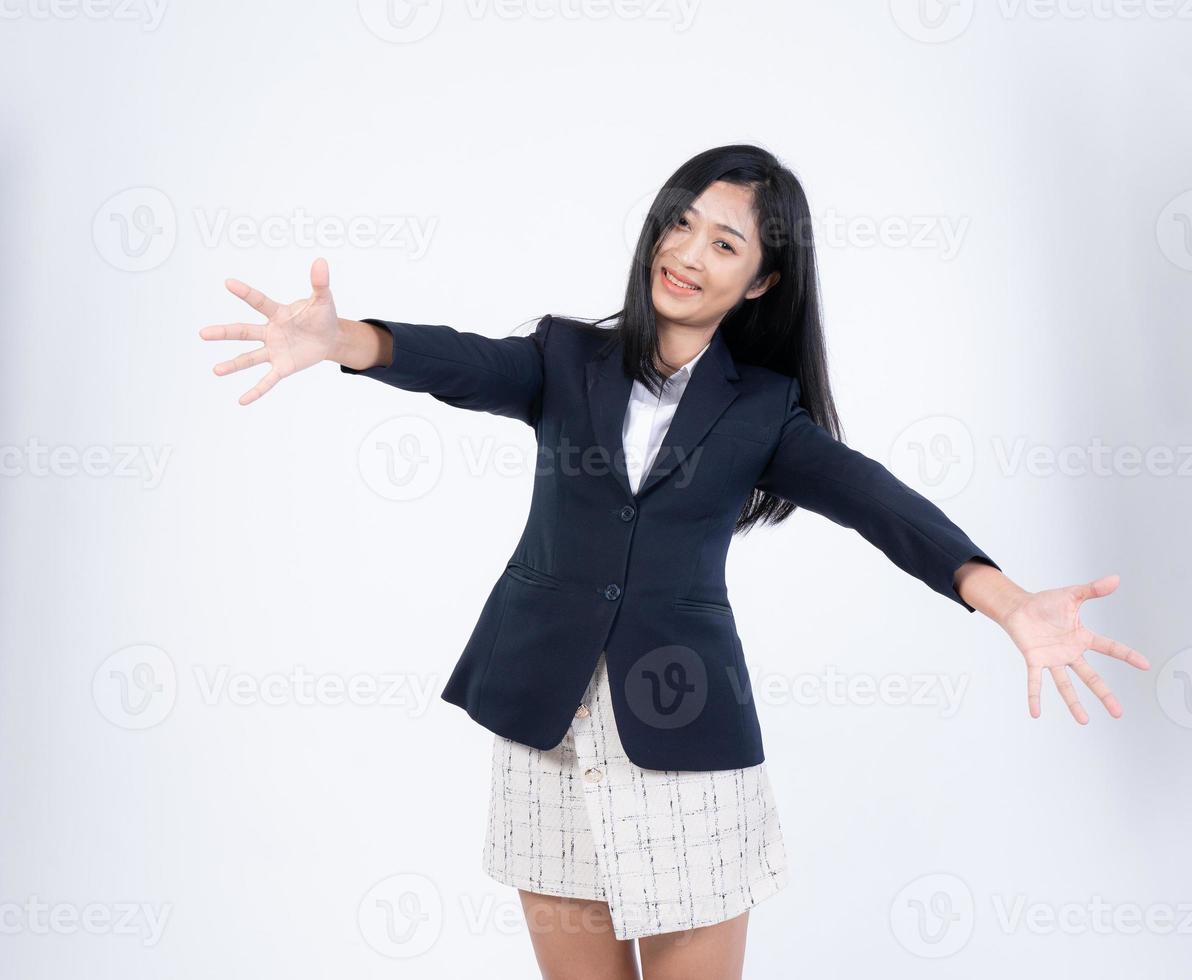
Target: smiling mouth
x=678 y=283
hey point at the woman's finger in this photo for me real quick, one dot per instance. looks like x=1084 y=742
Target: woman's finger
x=1068 y=693
x=1034 y=682
x=262 y=386
x=320 y=278
x=1112 y=648
x=253 y=297
x=233 y=331
x=1097 y=685
x=1096 y=588
x=248 y=359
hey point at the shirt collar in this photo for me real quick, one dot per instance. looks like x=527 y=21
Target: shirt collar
x=686 y=369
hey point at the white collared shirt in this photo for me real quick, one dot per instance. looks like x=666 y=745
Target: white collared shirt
x=647 y=419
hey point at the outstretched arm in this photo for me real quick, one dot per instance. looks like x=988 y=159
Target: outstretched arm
x=467 y=370
x=811 y=469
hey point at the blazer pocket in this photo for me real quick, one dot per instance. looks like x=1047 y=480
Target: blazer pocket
x=700 y=606
x=530 y=575
x=739 y=429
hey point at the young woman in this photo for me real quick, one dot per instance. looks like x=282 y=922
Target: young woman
x=629 y=793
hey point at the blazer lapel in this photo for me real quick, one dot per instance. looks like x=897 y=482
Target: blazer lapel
x=608 y=398
x=709 y=392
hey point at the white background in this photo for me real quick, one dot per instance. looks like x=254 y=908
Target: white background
x=518 y=140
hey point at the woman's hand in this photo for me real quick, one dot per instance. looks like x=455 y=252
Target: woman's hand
x=296 y=335
x=1046 y=627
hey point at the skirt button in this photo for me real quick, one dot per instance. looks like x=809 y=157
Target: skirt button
x=593 y=775
x=582 y=711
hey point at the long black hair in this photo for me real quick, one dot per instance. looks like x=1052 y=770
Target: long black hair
x=781 y=330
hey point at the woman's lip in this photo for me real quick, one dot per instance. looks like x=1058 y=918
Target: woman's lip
x=675 y=290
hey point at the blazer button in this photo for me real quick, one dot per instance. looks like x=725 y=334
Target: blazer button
x=582 y=711
x=627 y=513
x=593 y=775
x=612 y=591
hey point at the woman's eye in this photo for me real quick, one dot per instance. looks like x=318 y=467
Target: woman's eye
x=682 y=223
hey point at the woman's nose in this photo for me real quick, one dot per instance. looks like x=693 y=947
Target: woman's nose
x=690 y=253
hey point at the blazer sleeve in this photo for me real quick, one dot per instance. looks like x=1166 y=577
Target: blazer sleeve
x=502 y=375
x=812 y=469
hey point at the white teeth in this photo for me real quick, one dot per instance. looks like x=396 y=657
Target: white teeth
x=682 y=285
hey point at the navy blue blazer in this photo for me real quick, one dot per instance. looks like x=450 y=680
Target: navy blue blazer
x=641 y=576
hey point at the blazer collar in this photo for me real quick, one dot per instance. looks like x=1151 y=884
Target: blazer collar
x=710 y=390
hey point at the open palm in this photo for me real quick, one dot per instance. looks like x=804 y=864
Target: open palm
x=296 y=336
x=1046 y=627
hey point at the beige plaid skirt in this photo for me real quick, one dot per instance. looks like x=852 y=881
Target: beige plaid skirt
x=667 y=850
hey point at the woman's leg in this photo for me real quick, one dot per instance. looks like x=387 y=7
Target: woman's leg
x=715 y=952
x=573 y=939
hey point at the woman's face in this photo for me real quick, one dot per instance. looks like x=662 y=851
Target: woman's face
x=714 y=250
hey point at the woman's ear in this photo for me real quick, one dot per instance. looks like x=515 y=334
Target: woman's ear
x=762 y=285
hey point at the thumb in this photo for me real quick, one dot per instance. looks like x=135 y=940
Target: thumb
x=320 y=278
x=1098 y=587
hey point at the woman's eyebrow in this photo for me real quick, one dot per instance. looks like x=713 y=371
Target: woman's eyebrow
x=723 y=227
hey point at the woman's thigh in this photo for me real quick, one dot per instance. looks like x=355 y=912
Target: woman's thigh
x=573 y=939
x=715 y=952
